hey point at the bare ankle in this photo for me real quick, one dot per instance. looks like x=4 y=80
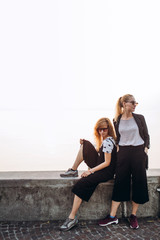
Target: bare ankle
x=73 y=168
x=71 y=216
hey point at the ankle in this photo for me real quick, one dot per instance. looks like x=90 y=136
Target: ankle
x=73 y=169
x=112 y=214
x=72 y=216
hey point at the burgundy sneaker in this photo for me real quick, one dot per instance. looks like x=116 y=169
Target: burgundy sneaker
x=133 y=222
x=107 y=221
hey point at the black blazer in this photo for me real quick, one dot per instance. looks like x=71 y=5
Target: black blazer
x=141 y=123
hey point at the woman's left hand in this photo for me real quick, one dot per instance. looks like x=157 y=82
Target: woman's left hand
x=86 y=173
x=146 y=150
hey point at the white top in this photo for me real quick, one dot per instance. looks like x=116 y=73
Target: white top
x=129 y=133
x=108 y=145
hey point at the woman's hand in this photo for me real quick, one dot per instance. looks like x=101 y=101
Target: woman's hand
x=117 y=148
x=146 y=150
x=86 y=173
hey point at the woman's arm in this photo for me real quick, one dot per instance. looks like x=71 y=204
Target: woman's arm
x=145 y=132
x=106 y=163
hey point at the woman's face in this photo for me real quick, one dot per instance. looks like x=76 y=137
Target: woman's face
x=130 y=105
x=103 y=130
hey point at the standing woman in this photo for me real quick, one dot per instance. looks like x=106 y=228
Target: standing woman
x=101 y=162
x=132 y=149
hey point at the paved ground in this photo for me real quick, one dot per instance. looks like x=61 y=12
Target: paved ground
x=85 y=230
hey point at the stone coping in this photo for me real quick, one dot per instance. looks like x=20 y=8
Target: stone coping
x=50 y=175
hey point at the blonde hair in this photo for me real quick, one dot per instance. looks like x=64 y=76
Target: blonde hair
x=119 y=105
x=97 y=136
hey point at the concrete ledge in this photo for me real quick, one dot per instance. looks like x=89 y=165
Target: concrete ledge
x=32 y=196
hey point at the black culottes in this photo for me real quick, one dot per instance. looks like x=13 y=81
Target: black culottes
x=130 y=168
x=85 y=186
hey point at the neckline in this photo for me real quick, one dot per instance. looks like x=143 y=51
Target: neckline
x=127 y=119
x=108 y=137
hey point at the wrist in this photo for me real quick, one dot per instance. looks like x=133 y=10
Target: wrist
x=91 y=171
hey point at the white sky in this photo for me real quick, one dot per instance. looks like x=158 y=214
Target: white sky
x=63 y=65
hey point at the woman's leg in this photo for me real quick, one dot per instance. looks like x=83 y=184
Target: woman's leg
x=79 y=158
x=139 y=178
x=72 y=221
x=134 y=208
x=133 y=218
x=76 y=204
x=114 y=208
x=86 y=153
x=85 y=187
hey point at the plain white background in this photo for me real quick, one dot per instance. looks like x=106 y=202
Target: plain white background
x=63 y=65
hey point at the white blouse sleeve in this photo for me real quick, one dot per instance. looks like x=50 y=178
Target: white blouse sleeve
x=108 y=145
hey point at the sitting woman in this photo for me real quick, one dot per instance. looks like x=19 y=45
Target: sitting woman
x=101 y=162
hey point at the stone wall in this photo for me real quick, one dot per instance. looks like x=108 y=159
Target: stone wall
x=30 y=196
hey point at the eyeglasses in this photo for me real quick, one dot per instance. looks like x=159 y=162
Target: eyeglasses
x=133 y=103
x=102 y=129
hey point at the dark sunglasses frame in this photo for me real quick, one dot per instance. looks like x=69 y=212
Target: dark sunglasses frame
x=133 y=102
x=104 y=129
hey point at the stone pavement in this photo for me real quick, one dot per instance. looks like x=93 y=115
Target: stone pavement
x=85 y=230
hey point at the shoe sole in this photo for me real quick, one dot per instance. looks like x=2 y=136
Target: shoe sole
x=134 y=227
x=68 y=176
x=106 y=224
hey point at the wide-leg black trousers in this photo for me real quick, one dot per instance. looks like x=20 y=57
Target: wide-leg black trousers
x=130 y=168
x=85 y=186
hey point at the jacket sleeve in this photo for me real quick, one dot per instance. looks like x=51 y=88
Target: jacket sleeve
x=145 y=132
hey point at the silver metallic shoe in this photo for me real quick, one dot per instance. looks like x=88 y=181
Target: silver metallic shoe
x=68 y=224
x=70 y=173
